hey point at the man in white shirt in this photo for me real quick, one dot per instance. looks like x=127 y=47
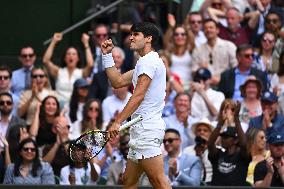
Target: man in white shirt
x=205 y=101
x=147 y=100
x=195 y=23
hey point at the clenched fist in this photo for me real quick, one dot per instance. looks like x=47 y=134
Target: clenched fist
x=107 y=46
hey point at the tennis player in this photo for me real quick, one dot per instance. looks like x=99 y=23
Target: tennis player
x=149 y=81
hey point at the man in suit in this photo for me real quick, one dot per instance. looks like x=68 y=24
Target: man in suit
x=100 y=87
x=181 y=169
x=232 y=79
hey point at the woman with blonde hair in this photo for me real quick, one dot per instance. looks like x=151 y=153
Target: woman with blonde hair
x=40 y=89
x=256 y=145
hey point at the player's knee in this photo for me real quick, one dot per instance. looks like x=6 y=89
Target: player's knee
x=157 y=180
x=128 y=182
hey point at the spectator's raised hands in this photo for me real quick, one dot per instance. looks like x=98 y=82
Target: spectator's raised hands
x=85 y=39
x=4 y=141
x=23 y=134
x=237 y=111
x=171 y=20
x=57 y=37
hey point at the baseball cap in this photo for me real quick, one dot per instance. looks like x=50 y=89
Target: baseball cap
x=269 y=96
x=275 y=137
x=229 y=132
x=202 y=74
x=81 y=83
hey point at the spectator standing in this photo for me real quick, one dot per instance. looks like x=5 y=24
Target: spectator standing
x=217 y=54
x=270 y=172
x=181 y=169
x=229 y=165
x=21 y=78
x=70 y=71
x=28 y=168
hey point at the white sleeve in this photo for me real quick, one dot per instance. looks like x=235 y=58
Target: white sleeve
x=64 y=175
x=149 y=69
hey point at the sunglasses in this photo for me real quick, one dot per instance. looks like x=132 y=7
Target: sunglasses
x=210 y=58
x=4 y=77
x=268 y=40
x=216 y=4
x=94 y=109
x=248 y=55
x=29 y=149
x=196 y=22
x=169 y=140
x=34 y=76
x=179 y=34
x=27 y=55
x=7 y=102
x=271 y=21
x=101 y=35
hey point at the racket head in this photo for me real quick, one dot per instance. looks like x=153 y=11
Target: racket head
x=88 y=145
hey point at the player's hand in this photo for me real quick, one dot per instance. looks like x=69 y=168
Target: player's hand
x=107 y=46
x=113 y=130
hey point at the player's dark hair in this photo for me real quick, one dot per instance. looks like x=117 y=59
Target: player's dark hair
x=148 y=29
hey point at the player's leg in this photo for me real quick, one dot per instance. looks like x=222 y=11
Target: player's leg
x=131 y=175
x=154 y=169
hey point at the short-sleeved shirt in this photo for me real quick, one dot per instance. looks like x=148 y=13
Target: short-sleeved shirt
x=152 y=106
x=229 y=170
x=260 y=172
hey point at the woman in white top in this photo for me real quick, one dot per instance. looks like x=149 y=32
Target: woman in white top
x=179 y=41
x=40 y=89
x=277 y=80
x=70 y=71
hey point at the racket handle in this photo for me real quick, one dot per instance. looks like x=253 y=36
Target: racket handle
x=129 y=123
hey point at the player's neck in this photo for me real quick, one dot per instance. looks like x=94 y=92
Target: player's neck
x=144 y=51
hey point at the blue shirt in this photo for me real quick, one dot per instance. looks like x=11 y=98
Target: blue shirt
x=277 y=122
x=18 y=81
x=240 y=79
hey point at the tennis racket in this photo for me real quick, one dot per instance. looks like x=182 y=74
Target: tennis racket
x=91 y=143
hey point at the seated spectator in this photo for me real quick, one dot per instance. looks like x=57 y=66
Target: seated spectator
x=229 y=165
x=256 y=144
x=78 y=100
x=80 y=173
x=215 y=9
x=236 y=33
x=117 y=168
x=31 y=98
x=5 y=86
x=263 y=60
x=28 y=168
x=205 y=101
x=100 y=87
x=251 y=92
x=92 y=119
x=43 y=126
x=115 y=103
x=57 y=153
x=182 y=120
x=270 y=172
x=233 y=78
x=71 y=70
x=179 y=42
x=216 y=54
x=194 y=20
x=269 y=118
x=181 y=169
x=21 y=78
x=202 y=131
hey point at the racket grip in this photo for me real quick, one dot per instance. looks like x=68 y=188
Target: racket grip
x=129 y=123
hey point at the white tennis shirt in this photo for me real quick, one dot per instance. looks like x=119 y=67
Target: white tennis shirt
x=154 y=101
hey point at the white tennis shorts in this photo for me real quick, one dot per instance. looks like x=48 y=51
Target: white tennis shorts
x=144 y=143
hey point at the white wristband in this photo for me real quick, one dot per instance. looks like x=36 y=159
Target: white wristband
x=108 y=60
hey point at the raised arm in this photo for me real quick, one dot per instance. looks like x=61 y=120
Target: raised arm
x=88 y=54
x=52 y=68
x=7 y=152
x=169 y=33
x=35 y=124
x=117 y=79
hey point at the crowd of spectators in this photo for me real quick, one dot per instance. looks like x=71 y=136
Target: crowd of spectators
x=224 y=104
